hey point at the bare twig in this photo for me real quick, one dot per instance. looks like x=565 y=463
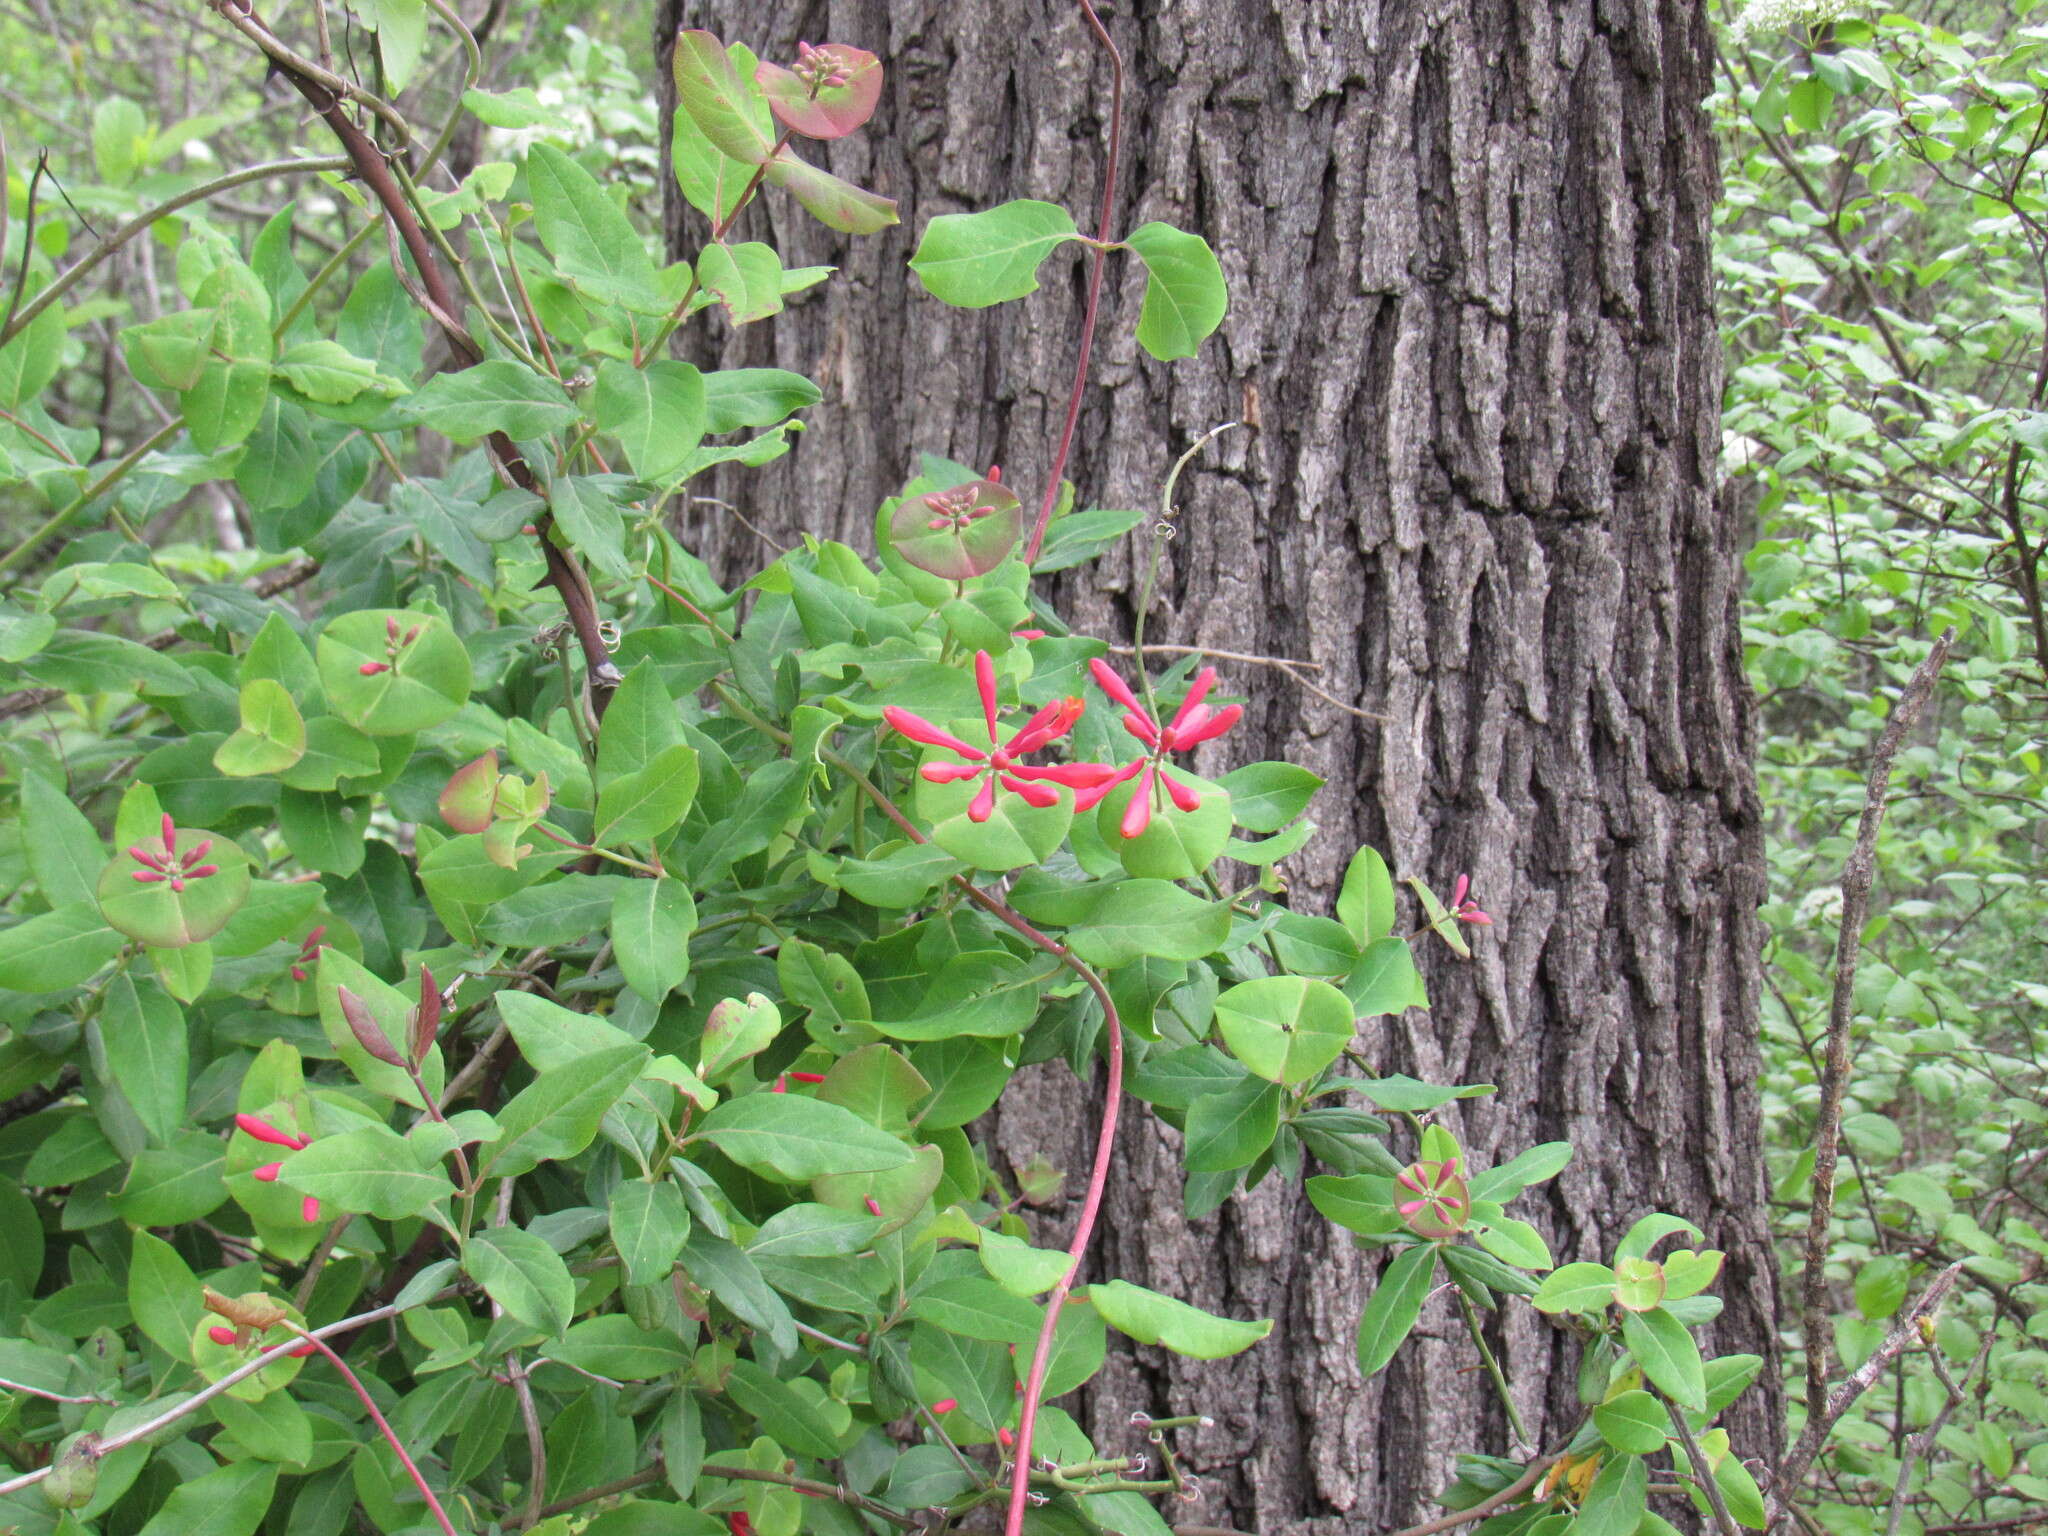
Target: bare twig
x=1922 y=1443
x=1856 y=878
x=1792 y=1470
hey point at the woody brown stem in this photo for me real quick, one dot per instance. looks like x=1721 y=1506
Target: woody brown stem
x=565 y=573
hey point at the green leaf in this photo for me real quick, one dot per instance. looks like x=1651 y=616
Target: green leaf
x=498 y=395
x=1131 y=919
x=656 y=412
x=1540 y=1163
x=119 y=128
x=789 y=1137
x=1185 y=297
x=648 y=803
x=163 y=1295
x=522 y=1274
x=557 y=1116
x=728 y=110
x=734 y=1031
x=754 y=397
x=1230 y=1128
x=586 y=513
x=596 y=249
x=419 y=669
x=1396 y=1302
x=1514 y=1242
x=1634 y=1422
x=616 y=1346
x=1019 y=1268
x=832 y=202
x=1404 y=1095
x=1383 y=979
x=1365 y=904
x=1881 y=1286
x=65 y=854
x=746 y=278
x=57 y=949
x=978 y=1309
x=1575 y=1288
x=652 y=921
x=141 y=1033
x=271 y=736
x=782 y=1413
x=808 y=1230
x=31 y=357
x=1617 y=1501
x=373 y=1170
x=327 y=372
x=973 y=260
x=229 y=1502
x=1359 y=1202
x=1286 y=1029
x=1665 y=1350
x=649 y=1225
x=1151 y=1318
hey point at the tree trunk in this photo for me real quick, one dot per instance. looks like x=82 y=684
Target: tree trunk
x=1472 y=338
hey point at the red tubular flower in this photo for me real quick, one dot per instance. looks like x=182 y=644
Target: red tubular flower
x=221 y=1334
x=1192 y=724
x=999 y=763
x=945 y=1405
x=1463 y=907
x=171 y=865
x=263 y=1130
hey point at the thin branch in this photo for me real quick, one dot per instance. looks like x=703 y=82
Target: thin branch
x=1923 y=1443
x=1104 y=225
x=1531 y=1475
x=1856 y=878
x=1703 y=1474
x=186 y=1407
x=1791 y=1473
x=142 y=221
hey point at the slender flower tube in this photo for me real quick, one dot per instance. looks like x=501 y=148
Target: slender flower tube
x=1192 y=724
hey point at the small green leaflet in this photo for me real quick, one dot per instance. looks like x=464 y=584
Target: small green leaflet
x=1151 y=1318
x=973 y=260
x=1185 y=297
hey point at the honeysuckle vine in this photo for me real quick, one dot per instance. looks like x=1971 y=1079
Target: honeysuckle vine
x=504 y=932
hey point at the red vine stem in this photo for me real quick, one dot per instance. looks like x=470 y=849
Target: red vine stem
x=1102 y=243
x=383 y=1427
x=1105 y=1136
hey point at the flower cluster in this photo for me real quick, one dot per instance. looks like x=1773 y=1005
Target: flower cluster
x=394 y=642
x=1001 y=762
x=170 y=865
x=1193 y=723
x=1001 y=765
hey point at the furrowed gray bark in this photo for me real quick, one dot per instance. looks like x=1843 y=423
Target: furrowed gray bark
x=1468 y=254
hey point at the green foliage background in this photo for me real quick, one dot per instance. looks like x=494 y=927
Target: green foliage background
x=1882 y=249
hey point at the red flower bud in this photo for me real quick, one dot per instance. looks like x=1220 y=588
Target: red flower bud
x=221 y=1334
